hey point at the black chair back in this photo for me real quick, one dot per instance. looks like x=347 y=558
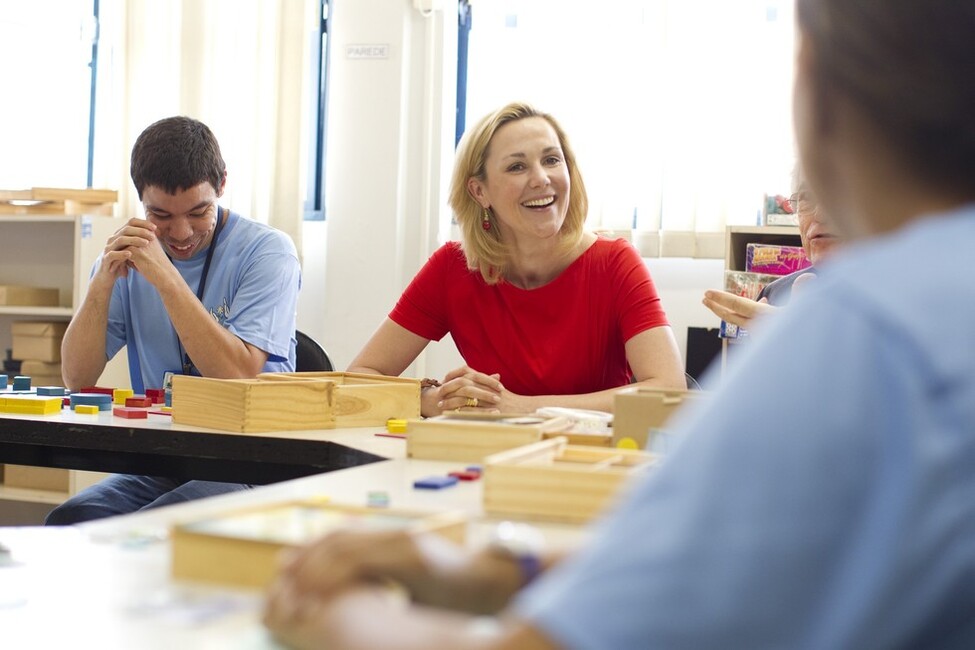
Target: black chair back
x=310 y=356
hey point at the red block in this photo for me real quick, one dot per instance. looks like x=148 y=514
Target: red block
x=138 y=401
x=129 y=412
x=157 y=395
x=466 y=475
x=97 y=389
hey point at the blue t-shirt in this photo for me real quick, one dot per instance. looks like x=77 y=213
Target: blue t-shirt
x=251 y=289
x=832 y=510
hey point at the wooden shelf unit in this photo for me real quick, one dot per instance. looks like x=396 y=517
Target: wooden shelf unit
x=53 y=250
x=737 y=239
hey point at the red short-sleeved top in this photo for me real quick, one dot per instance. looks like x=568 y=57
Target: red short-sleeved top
x=564 y=338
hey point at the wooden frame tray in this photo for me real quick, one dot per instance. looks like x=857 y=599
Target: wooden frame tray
x=241 y=548
x=556 y=481
x=470 y=437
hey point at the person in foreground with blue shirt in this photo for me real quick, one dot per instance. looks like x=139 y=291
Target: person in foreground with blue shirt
x=836 y=510
x=190 y=288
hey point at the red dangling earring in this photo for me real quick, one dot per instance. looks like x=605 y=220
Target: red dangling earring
x=486 y=222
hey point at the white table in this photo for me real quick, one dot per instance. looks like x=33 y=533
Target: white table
x=106 y=584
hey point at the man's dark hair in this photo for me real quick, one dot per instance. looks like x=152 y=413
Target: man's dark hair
x=175 y=154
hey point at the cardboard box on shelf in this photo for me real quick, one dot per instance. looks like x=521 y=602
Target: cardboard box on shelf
x=36 y=478
x=12 y=295
x=38 y=340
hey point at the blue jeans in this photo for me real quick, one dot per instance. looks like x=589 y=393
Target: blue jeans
x=122 y=494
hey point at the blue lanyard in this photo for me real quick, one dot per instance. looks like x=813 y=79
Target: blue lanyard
x=187 y=363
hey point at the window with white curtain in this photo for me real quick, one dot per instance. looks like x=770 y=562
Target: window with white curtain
x=46 y=49
x=679 y=110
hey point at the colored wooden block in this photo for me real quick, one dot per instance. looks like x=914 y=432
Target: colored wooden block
x=435 y=482
x=86 y=409
x=21 y=382
x=119 y=395
x=130 y=413
x=466 y=475
x=3 y=381
x=53 y=391
x=157 y=395
x=139 y=401
x=101 y=400
x=469 y=437
x=101 y=390
x=30 y=405
x=552 y=480
x=242 y=547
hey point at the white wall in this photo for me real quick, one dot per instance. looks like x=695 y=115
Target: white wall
x=389 y=151
x=388 y=139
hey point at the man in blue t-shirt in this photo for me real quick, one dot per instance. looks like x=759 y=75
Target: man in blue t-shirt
x=190 y=288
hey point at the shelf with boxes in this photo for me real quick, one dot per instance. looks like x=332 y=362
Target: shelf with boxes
x=756 y=256
x=49 y=240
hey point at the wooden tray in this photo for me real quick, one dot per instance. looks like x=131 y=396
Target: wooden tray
x=470 y=437
x=241 y=548
x=556 y=481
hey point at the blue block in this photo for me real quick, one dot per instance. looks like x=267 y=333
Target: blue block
x=168 y=397
x=435 y=482
x=103 y=402
x=21 y=382
x=3 y=381
x=53 y=391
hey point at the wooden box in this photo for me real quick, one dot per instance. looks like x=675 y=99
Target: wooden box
x=638 y=411
x=469 y=437
x=36 y=478
x=361 y=400
x=42 y=373
x=294 y=401
x=248 y=405
x=40 y=341
x=555 y=481
x=242 y=547
x=12 y=295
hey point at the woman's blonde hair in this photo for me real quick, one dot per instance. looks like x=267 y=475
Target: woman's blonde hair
x=484 y=249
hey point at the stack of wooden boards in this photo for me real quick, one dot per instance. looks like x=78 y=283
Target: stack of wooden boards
x=58 y=200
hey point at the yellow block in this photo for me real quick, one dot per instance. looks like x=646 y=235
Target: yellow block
x=30 y=405
x=86 y=409
x=119 y=395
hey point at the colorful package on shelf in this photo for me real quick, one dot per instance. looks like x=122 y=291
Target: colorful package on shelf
x=747 y=285
x=774 y=259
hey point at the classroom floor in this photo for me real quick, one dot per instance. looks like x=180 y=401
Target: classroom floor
x=21 y=513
